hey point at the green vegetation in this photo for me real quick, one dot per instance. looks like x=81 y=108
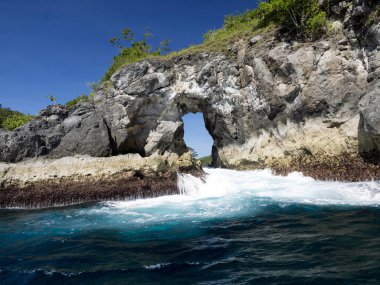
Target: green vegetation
x=303 y=18
x=81 y=97
x=15 y=121
x=235 y=28
x=206 y=160
x=52 y=98
x=5 y=113
x=10 y=119
x=131 y=50
x=194 y=154
x=373 y=17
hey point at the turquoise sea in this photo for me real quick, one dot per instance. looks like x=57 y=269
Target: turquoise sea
x=237 y=228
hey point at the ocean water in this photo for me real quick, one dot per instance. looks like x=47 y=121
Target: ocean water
x=237 y=228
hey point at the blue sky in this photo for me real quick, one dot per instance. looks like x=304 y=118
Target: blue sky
x=196 y=135
x=59 y=46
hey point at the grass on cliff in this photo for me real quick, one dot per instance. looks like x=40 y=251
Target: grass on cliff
x=80 y=98
x=84 y=97
x=132 y=50
x=218 y=41
x=304 y=18
x=235 y=28
x=11 y=120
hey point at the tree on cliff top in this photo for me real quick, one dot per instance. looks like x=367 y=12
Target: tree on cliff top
x=131 y=50
x=304 y=17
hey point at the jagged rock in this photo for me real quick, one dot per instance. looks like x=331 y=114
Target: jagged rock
x=76 y=179
x=255 y=40
x=374 y=34
x=148 y=84
x=263 y=105
x=369 y=128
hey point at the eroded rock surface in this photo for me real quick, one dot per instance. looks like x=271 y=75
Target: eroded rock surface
x=271 y=103
x=37 y=183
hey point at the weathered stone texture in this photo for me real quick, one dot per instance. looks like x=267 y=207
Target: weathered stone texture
x=273 y=102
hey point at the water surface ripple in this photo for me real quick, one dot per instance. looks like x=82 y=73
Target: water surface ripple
x=237 y=228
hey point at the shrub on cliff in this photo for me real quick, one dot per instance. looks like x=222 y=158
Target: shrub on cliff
x=73 y=102
x=373 y=17
x=83 y=97
x=15 y=120
x=234 y=26
x=4 y=114
x=303 y=17
x=131 y=50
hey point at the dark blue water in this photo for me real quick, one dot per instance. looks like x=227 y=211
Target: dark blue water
x=265 y=233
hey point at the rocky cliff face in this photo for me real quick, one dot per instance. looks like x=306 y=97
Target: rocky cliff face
x=271 y=102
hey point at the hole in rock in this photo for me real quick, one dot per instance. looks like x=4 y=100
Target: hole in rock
x=197 y=137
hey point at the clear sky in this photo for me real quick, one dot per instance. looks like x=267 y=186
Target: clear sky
x=196 y=135
x=59 y=46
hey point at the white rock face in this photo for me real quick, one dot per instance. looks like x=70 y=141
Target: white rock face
x=80 y=166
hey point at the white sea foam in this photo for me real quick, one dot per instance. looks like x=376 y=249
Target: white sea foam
x=292 y=188
x=229 y=193
x=156 y=266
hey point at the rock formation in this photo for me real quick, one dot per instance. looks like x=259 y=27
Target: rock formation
x=77 y=179
x=269 y=102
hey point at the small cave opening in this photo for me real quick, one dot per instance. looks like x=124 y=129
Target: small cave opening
x=197 y=138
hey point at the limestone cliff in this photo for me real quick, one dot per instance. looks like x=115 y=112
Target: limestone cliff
x=268 y=102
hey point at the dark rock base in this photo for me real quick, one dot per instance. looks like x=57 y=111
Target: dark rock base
x=68 y=192
x=345 y=168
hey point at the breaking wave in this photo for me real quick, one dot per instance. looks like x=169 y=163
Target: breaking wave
x=229 y=193
x=234 y=227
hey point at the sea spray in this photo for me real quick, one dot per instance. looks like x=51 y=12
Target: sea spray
x=188 y=184
x=294 y=187
x=228 y=193
x=232 y=228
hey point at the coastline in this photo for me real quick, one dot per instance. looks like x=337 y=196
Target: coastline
x=288 y=104
x=65 y=192
x=46 y=183
x=43 y=183
x=346 y=168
